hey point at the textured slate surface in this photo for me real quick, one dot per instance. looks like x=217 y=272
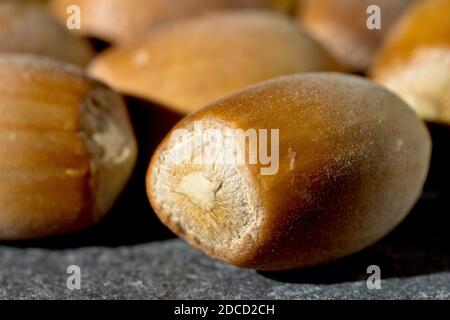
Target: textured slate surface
x=172 y=270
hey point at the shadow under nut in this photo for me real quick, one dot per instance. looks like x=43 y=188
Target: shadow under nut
x=66 y=148
x=353 y=159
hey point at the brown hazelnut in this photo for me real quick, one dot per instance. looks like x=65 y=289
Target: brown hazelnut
x=121 y=20
x=341 y=27
x=188 y=63
x=27 y=27
x=352 y=161
x=67 y=148
x=414 y=62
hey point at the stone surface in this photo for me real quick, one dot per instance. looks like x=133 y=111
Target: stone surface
x=172 y=270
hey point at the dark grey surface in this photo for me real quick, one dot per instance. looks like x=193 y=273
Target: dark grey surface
x=172 y=270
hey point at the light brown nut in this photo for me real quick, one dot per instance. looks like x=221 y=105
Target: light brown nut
x=66 y=148
x=27 y=27
x=341 y=26
x=189 y=63
x=353 y=158
x=414 y=62
x=122 y=20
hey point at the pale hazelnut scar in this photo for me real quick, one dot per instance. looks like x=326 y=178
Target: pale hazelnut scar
x=199 y=189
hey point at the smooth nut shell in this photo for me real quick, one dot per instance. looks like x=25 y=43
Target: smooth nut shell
x=66 y=148
x=27 y=27
x=122 y=20
x=353 y=158
x=189 y=63
x=341 y=26
x=414 y=61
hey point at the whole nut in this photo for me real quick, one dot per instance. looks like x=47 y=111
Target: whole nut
x=119 y=21
x=186 y=64
x=414 y=62
x=341 y=27
x=66 y=148
x=349 y=162
x=27 y=27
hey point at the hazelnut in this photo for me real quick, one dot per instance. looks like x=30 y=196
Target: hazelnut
x=67 y=148
x=186 y=64
x=414 y=62
x=352 y=161
x=27 y=27
x=118 y=21
x=341 y=27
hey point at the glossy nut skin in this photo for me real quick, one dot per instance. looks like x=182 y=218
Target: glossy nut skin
x=119 y=21
x=341 y=27
x=353 y=158
x=27 y=27
x=414 y=61
x=190 y=63
x=59 y=169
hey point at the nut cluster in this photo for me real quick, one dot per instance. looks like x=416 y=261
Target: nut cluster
x=284 y=158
